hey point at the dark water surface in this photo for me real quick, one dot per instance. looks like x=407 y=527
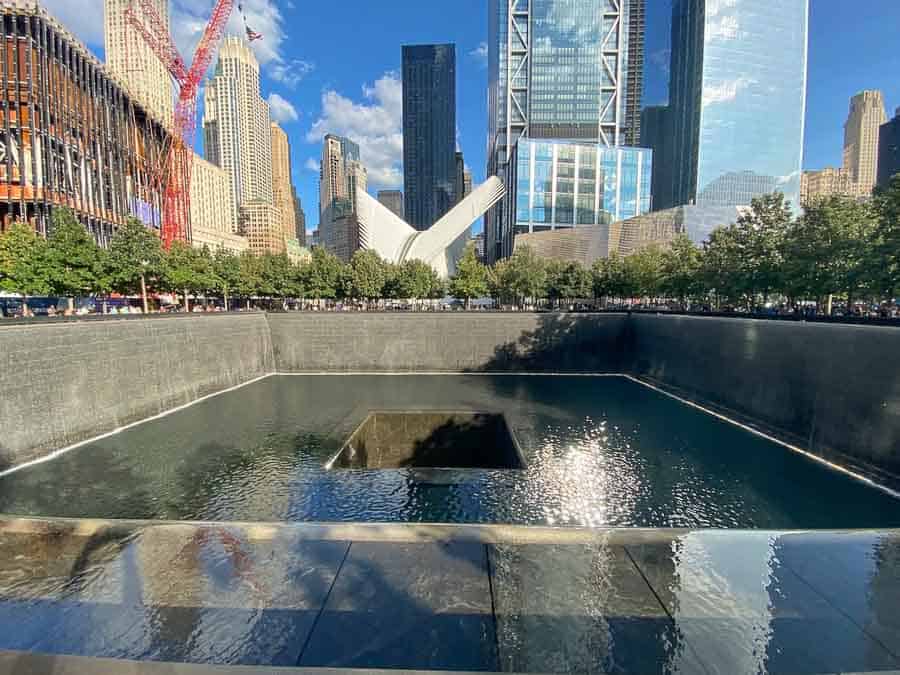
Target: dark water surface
x=600 y=452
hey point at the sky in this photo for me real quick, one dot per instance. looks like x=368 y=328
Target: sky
x=334 y=67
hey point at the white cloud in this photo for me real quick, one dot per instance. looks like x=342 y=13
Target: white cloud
x=289 y=73
x=281 y=109
x=312 y=164
x=376 y=124
x=726 y=90
x=84 y=18
x=480 y=53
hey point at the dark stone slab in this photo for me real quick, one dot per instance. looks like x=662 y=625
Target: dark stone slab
x=431 y=439
x=742 y=610
x=580 y=608
x=421 y=606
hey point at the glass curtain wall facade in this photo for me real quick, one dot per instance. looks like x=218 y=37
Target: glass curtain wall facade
x=557 y=70
x=429 y=132
x=738 y=93
x=562 y=185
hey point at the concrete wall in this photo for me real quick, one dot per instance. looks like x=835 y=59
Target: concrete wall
x=63 y=382
x=449 y=342
x=833 y=389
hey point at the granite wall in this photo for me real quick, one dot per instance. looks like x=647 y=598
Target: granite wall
x=371 y=342
x=64 y=382
x=831 y=389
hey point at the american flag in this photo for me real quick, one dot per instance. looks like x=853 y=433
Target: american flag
x=253 y=35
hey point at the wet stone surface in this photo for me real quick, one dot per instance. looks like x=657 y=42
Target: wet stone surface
x=509 y=599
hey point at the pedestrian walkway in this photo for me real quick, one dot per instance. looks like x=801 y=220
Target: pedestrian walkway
x=451 y=597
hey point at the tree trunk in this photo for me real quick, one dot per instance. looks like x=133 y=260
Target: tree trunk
x=144 y=292
x=106 y=305
x=225 y=294
x=187 y=301
x=829 y=304
x=71 y=302
x=248 y=304
x=850 y=301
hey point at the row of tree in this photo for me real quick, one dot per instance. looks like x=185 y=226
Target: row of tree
x=840 y=248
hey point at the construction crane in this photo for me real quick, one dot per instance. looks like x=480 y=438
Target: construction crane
x=175 y=172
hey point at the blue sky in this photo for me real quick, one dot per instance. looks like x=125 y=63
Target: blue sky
x=332 y=66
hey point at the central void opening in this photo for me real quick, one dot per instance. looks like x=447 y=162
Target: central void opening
x=431 y=439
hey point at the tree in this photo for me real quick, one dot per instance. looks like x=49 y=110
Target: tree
x=72 y=256
x=681 y=269
x=135 y=259
x=322 y=275
x=760 y=235
x=277 y=275
x=608 y=276
x=887 y=206
x=186 y=271
x=832 y=249
x=721 y=256
x=24 y=265
x=568 y=281
x=226 y=273
x=643 y=273
x=249 y=276
x=368 y=274
x=525 y=276
x=471 y=278
x=414 y=279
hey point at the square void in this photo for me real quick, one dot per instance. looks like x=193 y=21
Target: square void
x=431 y=439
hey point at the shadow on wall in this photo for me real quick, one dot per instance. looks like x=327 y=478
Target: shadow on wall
x=566 y=342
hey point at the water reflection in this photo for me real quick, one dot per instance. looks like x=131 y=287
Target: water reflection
x=599 y=452
x=614 y=601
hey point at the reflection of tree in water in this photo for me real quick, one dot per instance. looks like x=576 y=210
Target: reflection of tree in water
x=884 y=617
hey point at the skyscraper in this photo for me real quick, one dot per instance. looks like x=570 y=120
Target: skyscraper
x=861 y=140
x=558 y=70
x=889 y=151
x=826 y=182
x=460 y=181
x=656 y=133
x=299 y=217
x=132 y=60
x=282 y=189
x=738 y=98
x=237 y=136
x=429 y=132
x=341 y=176
x=393 y=199
x=635 y=29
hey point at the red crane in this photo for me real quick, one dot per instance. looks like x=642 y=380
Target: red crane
x=175 y=174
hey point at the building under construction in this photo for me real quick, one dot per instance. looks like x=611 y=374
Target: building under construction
x=70 y=133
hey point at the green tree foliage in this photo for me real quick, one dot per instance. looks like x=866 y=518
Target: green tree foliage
x=226 y=273
x=760 y=237
x=644 y=273
x=134 y=251
x=368 y=276
x=525 y=276
x=250 y=281
x=471 y=278
x=608 y=277
x=72 y=256
x=24 y=262
x=415 y=279
x=187 y=270
x=322 y=276
x=568 y=281
x=680 y=271
x=887 y=206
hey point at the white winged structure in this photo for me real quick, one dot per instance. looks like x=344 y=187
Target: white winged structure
x=441 y=246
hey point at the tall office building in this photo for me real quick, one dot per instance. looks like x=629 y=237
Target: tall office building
x=460 y=181
x=861 y=140
x=429 y=132
x=656 y=133
x=889 y=151
x=237 y=137
x=562 y=70
x=632 y=94
x=299 y=217
x=282 y=189
x=826 y=182
x=393 y=200
x=341 y=177
x=738 y=98
x=211 y=225
x=131 y=59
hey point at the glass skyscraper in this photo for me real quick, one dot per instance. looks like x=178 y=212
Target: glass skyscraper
x=429 y=132
x=558 y=70
x=560 y=184
x=738 y=99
